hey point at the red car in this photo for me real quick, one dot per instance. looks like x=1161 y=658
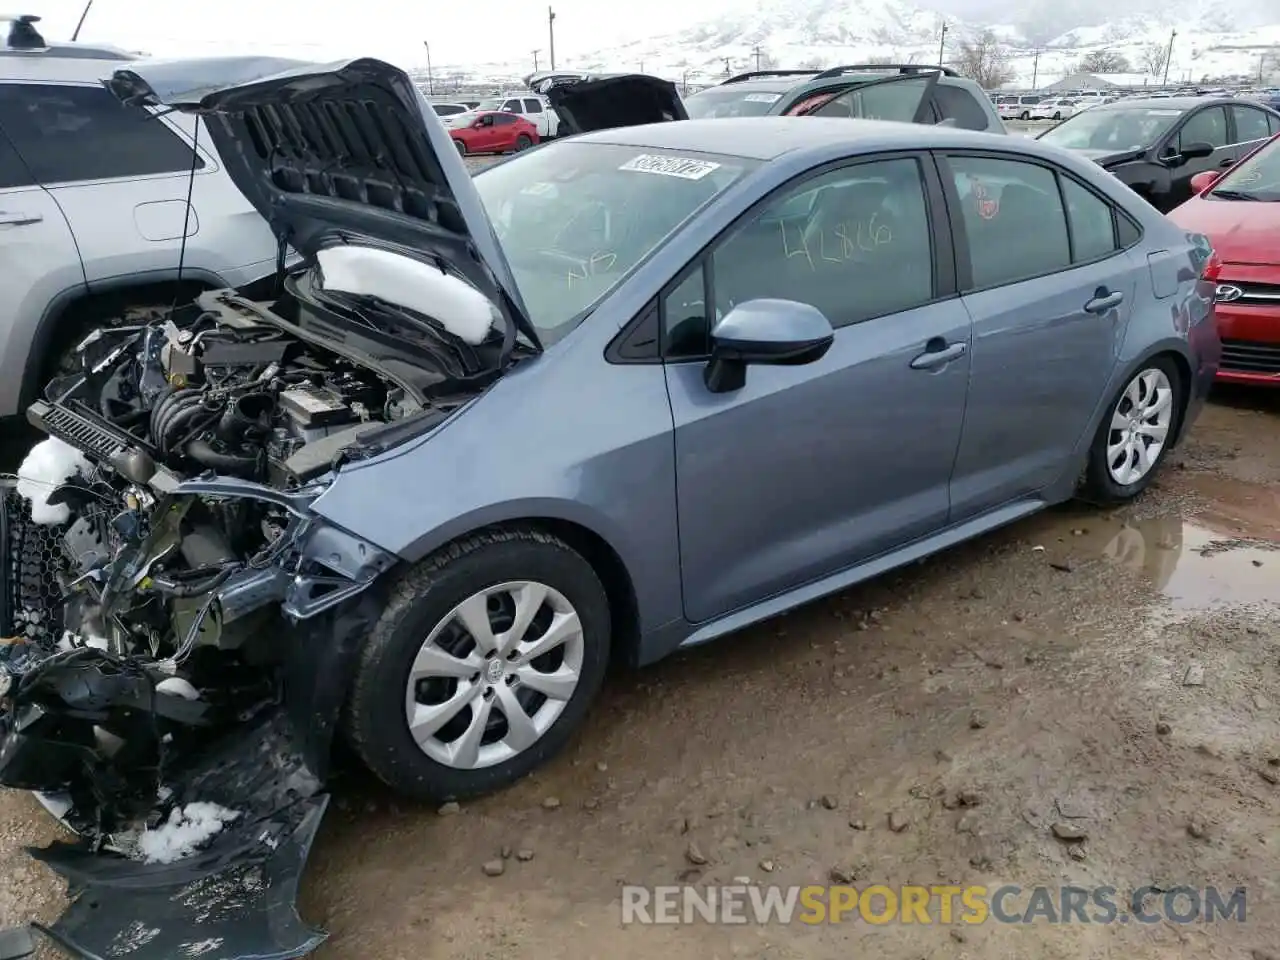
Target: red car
x=1239 y=211
x=493 y=131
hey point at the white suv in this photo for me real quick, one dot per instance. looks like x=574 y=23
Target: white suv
x=94 y=206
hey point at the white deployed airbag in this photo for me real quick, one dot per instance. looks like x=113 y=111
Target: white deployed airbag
x=452 y=302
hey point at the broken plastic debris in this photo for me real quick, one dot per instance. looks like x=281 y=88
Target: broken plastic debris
x=49 y=465
x=186 y=831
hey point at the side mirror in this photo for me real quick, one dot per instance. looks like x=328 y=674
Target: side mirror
x=779 y=332
x=1204 y=180
x=1196 y=150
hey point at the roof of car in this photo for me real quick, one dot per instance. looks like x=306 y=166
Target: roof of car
x=1164 y=103
x=765 y=138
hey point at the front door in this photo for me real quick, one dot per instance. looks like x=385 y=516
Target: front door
x=808 y=470
x=1208 y=125
x=1050 y=290
x=38 y=262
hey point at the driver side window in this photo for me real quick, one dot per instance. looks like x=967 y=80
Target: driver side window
x=1208 y=126
x=853 y=242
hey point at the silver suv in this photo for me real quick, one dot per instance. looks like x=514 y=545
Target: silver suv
x=95 y=198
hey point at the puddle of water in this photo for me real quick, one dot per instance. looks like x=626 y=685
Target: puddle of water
x=1196 y=567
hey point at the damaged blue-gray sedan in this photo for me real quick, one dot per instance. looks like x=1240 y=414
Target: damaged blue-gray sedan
x=621 y=394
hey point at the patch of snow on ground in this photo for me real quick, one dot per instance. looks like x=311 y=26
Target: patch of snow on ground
x=48 y=465
x=187 y=829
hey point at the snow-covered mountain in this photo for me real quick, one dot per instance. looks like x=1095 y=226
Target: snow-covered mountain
x=1043 y=38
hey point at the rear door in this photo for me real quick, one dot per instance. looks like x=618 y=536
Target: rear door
x=807 y=470
x=536 y=115
x=1050 y=290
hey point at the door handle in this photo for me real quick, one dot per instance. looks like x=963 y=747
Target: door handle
x=19 y=219
x=1102 y=302
x=1228 y=162
x=938 y=353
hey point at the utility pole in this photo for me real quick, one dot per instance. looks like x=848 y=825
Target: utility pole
x=535 y=60
x=1035 y=68
x=431 y=83
x=551 y=34
x=1168 y=56
x=756 y=53
x=942 y=42
x=83 y=13
x=642 y=66
x=726 y=65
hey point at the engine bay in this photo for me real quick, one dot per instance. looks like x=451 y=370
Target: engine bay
x=180 y=623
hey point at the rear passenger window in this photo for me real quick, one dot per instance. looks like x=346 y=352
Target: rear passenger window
x=956 y=104
x=512 y=106
x=66 y=134
x=532 y=106
x=1093 y=234
x=1013 y=219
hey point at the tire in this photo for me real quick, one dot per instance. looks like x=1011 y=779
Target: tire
x=462 y=148
x=1025 y=115
x=1057 y=116
x=423 y=605
x=1103 y=482
x=523 y=143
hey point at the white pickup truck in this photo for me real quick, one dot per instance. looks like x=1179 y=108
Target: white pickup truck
x=532 y=107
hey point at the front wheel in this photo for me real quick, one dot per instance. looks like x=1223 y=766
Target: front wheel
x=523 y=143
x=482 y=665
x=1025 y=115
x=1057 y=116
x=1135 y=434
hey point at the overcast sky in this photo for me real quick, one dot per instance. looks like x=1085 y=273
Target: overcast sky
x=466 y=31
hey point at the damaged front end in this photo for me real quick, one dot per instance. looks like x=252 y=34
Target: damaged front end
x=177 y=639
x=180 y=623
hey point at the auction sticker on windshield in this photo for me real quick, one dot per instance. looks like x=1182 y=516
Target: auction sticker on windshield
x=683 y=167
x=762 y=97
x=1164 y=113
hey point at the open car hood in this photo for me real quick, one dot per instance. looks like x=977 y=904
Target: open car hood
x=340 y=150
x=586 y=102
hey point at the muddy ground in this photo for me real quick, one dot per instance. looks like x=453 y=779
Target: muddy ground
x=1045 y=668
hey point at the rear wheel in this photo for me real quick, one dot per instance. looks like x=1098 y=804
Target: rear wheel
x=523 y=143
x=462 y=148
x=1025 y=115
x=482 y=665
x=1135 y=434
x=1057 y=116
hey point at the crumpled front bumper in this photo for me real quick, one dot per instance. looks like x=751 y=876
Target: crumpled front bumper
x=235 y=899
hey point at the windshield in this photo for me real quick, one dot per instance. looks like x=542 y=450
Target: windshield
x=1127 y=129
x=731 y=100
x=1257 y=177
x=575 y=218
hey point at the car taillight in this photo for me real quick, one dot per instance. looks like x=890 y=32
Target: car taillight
x=1212 y=268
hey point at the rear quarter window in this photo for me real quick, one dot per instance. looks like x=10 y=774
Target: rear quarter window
x=956 y=103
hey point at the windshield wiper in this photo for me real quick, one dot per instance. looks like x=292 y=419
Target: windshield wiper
x=1235 y=195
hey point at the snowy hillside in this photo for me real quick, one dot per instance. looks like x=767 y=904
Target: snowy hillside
x=1213 y=40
